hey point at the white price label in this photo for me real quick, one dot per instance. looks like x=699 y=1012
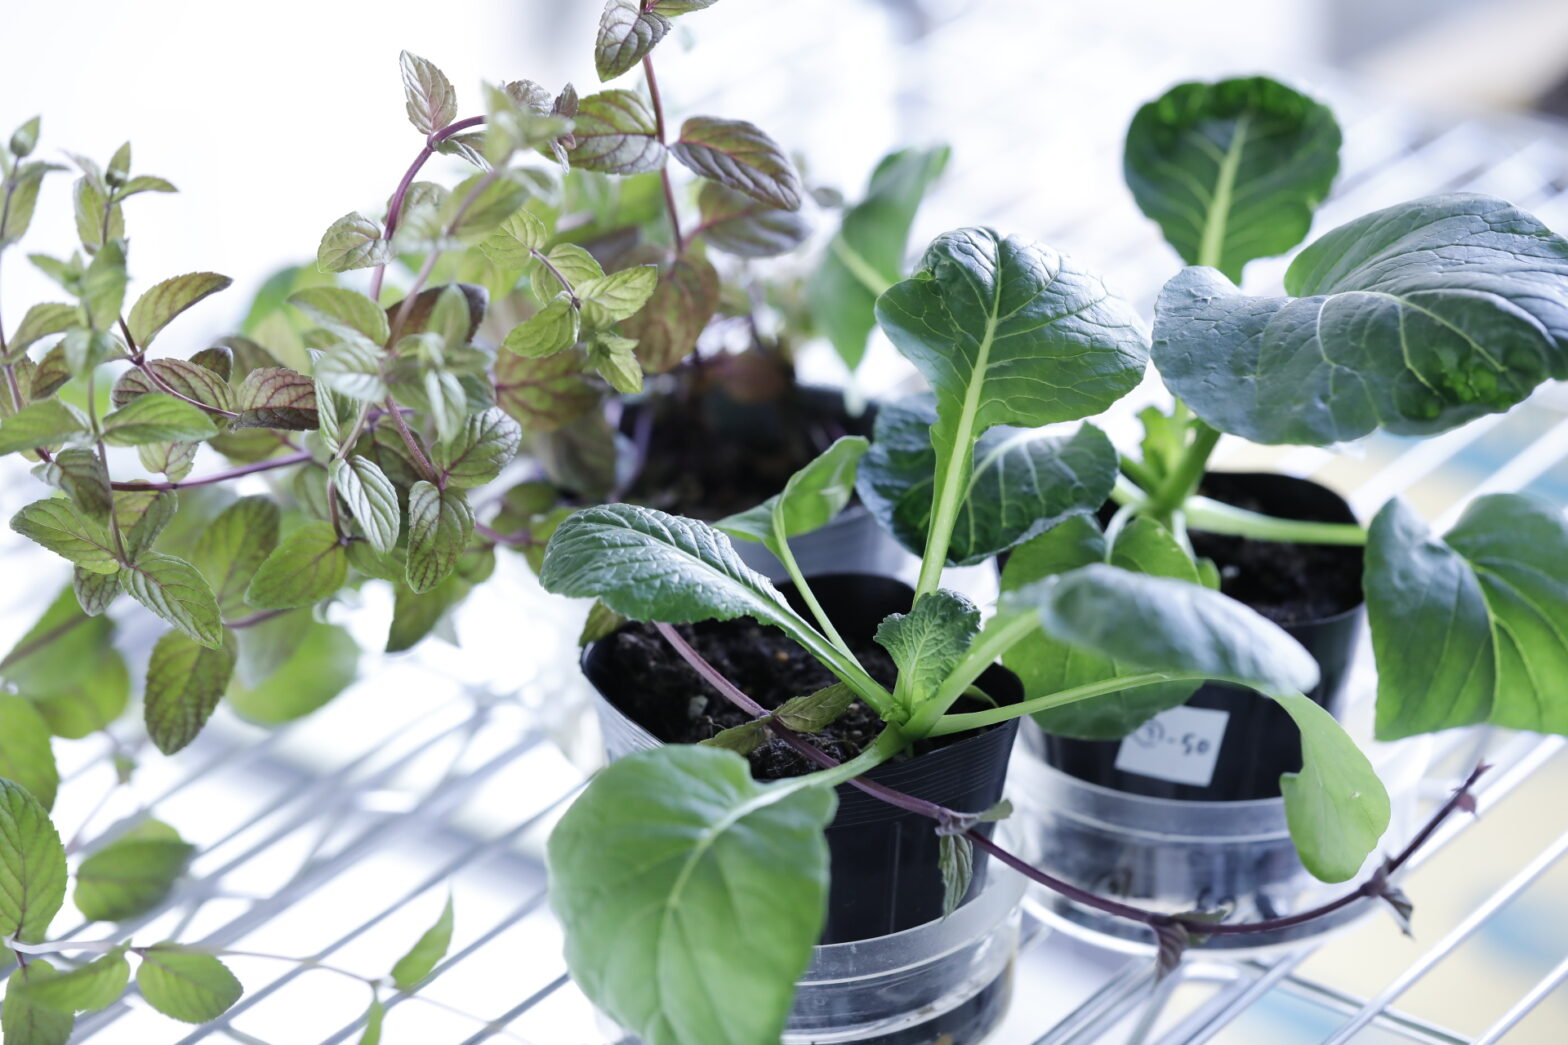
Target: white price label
x=1179 y=745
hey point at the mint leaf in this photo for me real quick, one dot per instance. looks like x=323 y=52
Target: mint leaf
x=956 y=859
x=607 y=300
x=426 y=954
x=276 y=397
x=233 y=545
x=552 y=329
x=22 y=1022
x=25 y=755
x=615 y=133
x=741 y=156
x=32 y=862
x=295 y=665
x=1415 y=319
x=154 y=418
x=133 y=874
x=814 y=711
x=344 y=312
x=668 y=326
x=160 y=304
x=60 y=526
x=186 y=986
x=432 y=102
x=43 y=423
x=371 y=499
x=187 y=378
x=643 y=873
x=487 y=443
x=354 y=241
x=96 y=985
x=626 y=34
x=40 y=321
x=176 y=591
x=185 y=681
x=81 y=474
x=1336 y=806
x=353 y=368
x=613 y=359
x=308 y=566
x=67 y=666
x=738 y=224
x=439 y=525
x=543 y=394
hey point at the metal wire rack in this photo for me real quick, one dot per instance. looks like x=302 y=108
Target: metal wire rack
x=337 y=838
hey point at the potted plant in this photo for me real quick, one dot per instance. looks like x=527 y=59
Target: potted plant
x=1410 y=320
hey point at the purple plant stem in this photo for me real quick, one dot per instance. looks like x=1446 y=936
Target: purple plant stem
x=950 y=819
x=664 y=170
x=217 y=477
x=395 y=204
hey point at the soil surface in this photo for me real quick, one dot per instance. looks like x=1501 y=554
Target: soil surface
x=662 y=693
x=1285 y=582
x=715 y=454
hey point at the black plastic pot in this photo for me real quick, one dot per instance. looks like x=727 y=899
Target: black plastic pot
x=885 y=871
x=1257 y=740
x=854 y=541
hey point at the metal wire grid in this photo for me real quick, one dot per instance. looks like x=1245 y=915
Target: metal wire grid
x=337 y=837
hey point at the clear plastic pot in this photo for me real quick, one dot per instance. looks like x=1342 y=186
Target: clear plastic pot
x=1176 y=855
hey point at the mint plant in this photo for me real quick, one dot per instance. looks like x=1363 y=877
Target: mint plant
x=650 y=864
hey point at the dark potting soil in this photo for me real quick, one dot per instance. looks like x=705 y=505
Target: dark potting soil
x=670 y=700
x=1287 y=583
x=718 y=453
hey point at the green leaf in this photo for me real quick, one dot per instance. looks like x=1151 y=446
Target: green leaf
x=24 y=199
x=414 y=615
x=514 y=242
x=61 y=527
x=928 y=642
x=191 y=380
x=1232 y=170
x=96 y=985
x=610 y=299
x=155 y=418
x=742 y=739
x=40 y=321
x=1006 y=332
x=32 y=865
x=432 y=102
x=24 y=1023
x=680 y=7
x=25 y=755
x=956 y=858
x=25 y=137
x=233 y=545
x=439 y=525
x=741 y=156
x=810 y=500
x=601 y=621
x=572 y=262
x=1047 y=665
x=353 y=368
x=647 y=565
x=290 y=666
x=142 y=516
x=186 y=986
x=1336 y=806
x=145 y=183
x=276 y=397
x=471 y=221
x=815 y=711
x=613 y=359
x=354 y=241
x=185 y=681
x=103 y=285
x=1415 y=319
x=644 y=873
x=668 y=326
x=375 y=1016
x=81 y=474
x=868 y=253
x=176 y=591
x=132 y=875
x=615 y=133
x=737 y=224
x=66 y=664
x=626 y=34
x=344 y=312
x=308 y=566
x=486 y=445
x=426 y=954
x=552 y=329
x=543 y=394
x=1163 y=625
x=370 y=497
x=1021 y=483
x=1469 y=627
x=154 y=309
x=41 y=424
x=512 y=124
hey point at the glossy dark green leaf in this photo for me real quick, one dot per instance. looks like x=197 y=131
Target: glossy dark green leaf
x=176 y=591
x=615 y=133
x=154 y=418
x=1336 y=806
x=1232 y=170
x=1415 y=318
x=738 y=224
x=1469 y=627
x=133 y=874
x=426 y=954
x=1020 y=485
x=627 y=32
x=439 y=525
x=308 y=566
x=741 y=156
x=185 y=681
x=32 y=865
x=647 y=871
x=185 y=985
x=867 y=254
x=928 y=642
x=160 y=304
x=26 y=757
